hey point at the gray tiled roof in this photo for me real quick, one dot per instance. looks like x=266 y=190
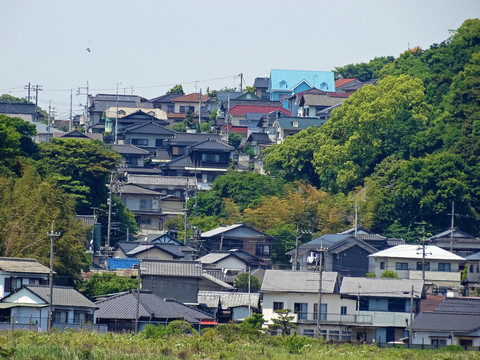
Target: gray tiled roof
x=217 y=281
x=164 y=98
x=446 y=322
x=132 y=248
x=9 y=108
x=182 y=161
x=460 y=305
x=174 y=268
x=303 y=123
x=212 y=144
x=19 y=265
x=62 y=296
x=129 y=149
x=261 y=82
x=138 y=190
x=260 y=138
x=322 y=100
x=228 y=299
x=148 y=128
x=192 y=138
x=298 y=281
x=161 y=180
x=384 y=288
x=123 y=306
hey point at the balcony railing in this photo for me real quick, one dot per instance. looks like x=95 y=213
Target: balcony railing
x=335 y=319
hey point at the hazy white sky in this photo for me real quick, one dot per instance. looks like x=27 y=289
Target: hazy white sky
x=150 y=45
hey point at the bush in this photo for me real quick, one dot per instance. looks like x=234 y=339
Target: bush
x=180 y=327
x=153 y=332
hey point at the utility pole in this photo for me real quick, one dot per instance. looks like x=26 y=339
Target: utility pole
x=452 y=225
x=109 y=226
x=200 y=109
x=116 y=119
x=36 y=88
x=70 y=123
x=79 y=92
x=411 y=318
x=138 y=298
x=320 y=252
x=52 y=235
x=249 y=307
x=185 y=217
x=295 y=261
x=241 y=82
x=356 y=219
x=28 y=87
x=228 y=116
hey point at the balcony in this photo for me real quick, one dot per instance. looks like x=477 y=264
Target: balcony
x=359 y=319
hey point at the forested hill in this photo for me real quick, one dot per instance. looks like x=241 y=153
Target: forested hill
x=411 y=143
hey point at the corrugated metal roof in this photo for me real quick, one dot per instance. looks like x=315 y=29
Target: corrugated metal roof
x=135 y=189
x=176 y=268
x=19 y=265
x=416 y=252
x=129 y=149
x=217 y=281
x=221 y=229
x=298 y=281
x=228 y=299
x=161 y=180
x=372 y=287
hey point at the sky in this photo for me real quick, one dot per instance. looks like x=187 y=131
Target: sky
x=145 y=47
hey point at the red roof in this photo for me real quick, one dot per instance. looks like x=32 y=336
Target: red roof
x=244 y=109
x=176 y=115
x=341 y=82
x=207 y=322
x=190 y=98
x=235 y=129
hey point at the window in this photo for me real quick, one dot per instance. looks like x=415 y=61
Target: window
x=364 y=304
x=7 y=287
x=145 y=204
x=323 y=315
x=211 y=157
x=282 y=97
x=185 y=109
x=302 y=310
x=140 y=142
x=309 y=332
x=170 y=108
x=263 y=250
x=144 y=221
x=175 y=150
x=158 y=142
x=343 y=310
x=427 y=266
x=346 y=335
x=59 y=317
x=334 y=335
x=396 y=305
x=471 y=268
x=133 y=161
x=283 y=84
x=401 y=266
x=78 y=317
x=382 y=265
x=438 y=342
x=277 y=305
x=295 y=124
x=443 y=266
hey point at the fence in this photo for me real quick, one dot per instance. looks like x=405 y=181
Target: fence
x=35 y=323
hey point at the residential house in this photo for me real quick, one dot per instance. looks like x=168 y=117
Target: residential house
x=77 y=135
x=455 y=321
x=167 y=185
x=472 y=282
x=16 y=272
x=299 y=292
x=120 y=312
x=26 y=112
x=382 y=309
x=192 y=102
x=285 y=83
x=205 y=160
x=266 y=124
x=177 y=146
x=147 y=250
x=456 y=241
x=439 y=268
x=29 y=305
x=170 y=237
x=175 y=279
x=98 y=105
x=132 y=156
x=259 y=142
x=230 y=306
x=164 y=102
x=129 y=117
x=287 y=126
x=147 y=206
x=349 y=86
x=312 y=102
x=261 y=86
x=232 y=262
x=148 y=136
x=242 y=237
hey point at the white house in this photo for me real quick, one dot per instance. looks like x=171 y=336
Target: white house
x=440 y=267
x=299 y=292
x=29 y=305
x=16 y=272
x=383 y=304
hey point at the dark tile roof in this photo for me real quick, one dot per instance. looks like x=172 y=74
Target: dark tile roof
x=124 y=306
x=164 y=98
x=260 y=138
x=261 y=82
x=459 y=305
x=446 y=322
x=171 y=268
x=9 y=108
x=244 y=109
x=182 y=161
x=212 y=144
x=62 y=295
x=19 y=265
x=192 y=138
x=144 y=171
x=223 y=95
x=148 y=128
x=127 y=149
x=138 y=190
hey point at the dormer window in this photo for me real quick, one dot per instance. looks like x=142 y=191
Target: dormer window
x=323 y=86
x=283 y=84
x=121 y=112
x=295 y=123
x=151 y=113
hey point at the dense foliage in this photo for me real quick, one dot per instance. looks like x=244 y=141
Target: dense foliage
x=106 y=283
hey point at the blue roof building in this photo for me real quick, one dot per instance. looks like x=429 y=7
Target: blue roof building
x=284 y=83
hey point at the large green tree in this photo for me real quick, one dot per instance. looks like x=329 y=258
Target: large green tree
x=82 y=168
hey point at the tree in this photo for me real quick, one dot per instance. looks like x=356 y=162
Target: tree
x=283 y=322
x=234 y=140
x=363 y=71
x=189 y=121
x=105 y=283
x=251 y=89
x=28 y=205
x=82 y=168
x=255 y=321
x=241 y=282
x=389 y=274
x=177 y=89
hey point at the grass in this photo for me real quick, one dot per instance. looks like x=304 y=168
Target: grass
x=211 y=344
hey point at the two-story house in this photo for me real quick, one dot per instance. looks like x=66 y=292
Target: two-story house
x=132 y=156
x=438 y=267
x=148 y=136
x=16 y=272
x=287 y=126
x=382 y=307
